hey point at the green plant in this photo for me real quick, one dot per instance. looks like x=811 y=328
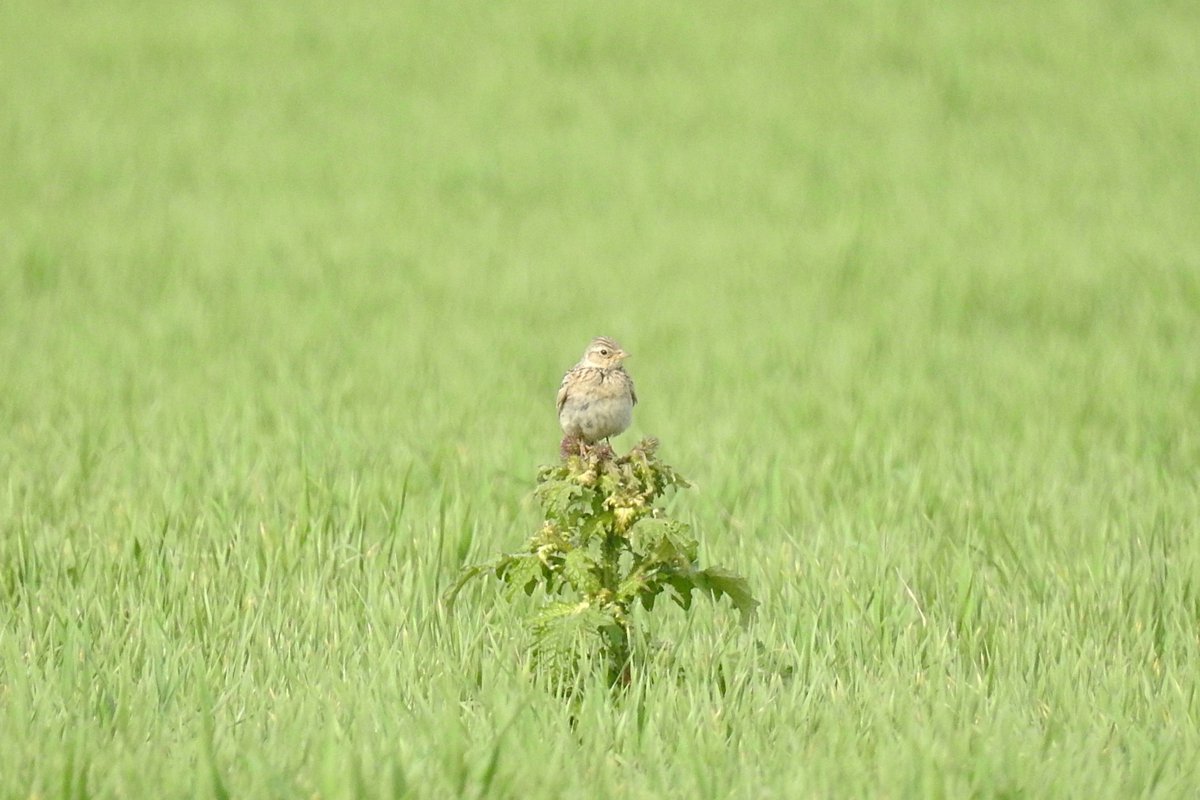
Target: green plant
x=604 y=548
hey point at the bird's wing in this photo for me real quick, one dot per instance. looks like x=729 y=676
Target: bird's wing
x=562 y=391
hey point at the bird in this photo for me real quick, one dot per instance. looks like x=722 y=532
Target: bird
x=596 y=398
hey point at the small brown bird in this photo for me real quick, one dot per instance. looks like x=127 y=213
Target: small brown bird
x=596 y=398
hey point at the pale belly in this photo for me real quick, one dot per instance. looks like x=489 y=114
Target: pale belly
x=597 y=418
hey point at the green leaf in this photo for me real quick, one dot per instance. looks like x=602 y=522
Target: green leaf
x=580 y=569
x=671 y=557
x=568 y=635
x=593 y=526
x=521 y=572
x=548 y=536
x=609 y=483
x=560 y=498
x=569 y=624
x=719 y=581
x=665 y=540
x=682 y=586
x=554 y=613
x=634 y=585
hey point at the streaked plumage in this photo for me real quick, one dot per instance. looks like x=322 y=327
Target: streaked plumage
x=596 y=398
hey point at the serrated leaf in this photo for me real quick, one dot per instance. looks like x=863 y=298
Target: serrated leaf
x=560 y=498
x=579 y=568
x=670 y=556
x=554 y=613
x=634 y=585
x=681 y=589
x=593 y=526
x=609 y=483
x=719 y=581
x=521 y=572
x=666 y=540
x=563 y=626
x=566 y=626
x=567 y=637
x=548 y=536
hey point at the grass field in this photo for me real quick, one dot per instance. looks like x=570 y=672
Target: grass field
x=286 y=291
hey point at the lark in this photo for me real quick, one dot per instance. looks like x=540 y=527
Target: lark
x=596 y=398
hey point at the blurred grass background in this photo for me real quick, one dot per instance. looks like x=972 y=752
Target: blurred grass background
x=913 y=292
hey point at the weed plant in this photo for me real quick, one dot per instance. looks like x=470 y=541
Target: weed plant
x=608 y=546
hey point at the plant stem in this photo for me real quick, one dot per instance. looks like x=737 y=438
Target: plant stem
x=616 y=636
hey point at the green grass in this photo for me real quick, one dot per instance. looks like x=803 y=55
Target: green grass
x=286 y=290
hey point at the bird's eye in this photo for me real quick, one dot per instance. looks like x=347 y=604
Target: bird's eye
x=603 y=351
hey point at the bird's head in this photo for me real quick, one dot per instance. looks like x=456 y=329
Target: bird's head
x=604 y=352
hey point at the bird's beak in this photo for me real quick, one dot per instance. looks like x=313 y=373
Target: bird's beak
x=624 y=355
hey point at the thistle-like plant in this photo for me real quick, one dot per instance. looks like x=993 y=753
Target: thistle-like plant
x=604 y=548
